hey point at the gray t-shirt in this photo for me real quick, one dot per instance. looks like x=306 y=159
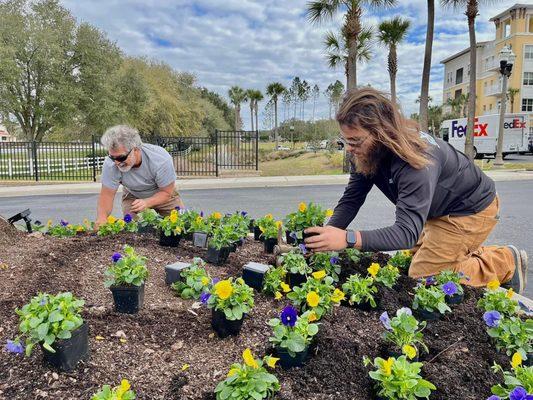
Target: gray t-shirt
x=156 y=171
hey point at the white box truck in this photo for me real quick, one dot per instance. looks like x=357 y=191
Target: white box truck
x=515 y=134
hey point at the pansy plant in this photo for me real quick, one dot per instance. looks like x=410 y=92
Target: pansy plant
x=240 y=222
x=249 y=380
x=122 y=392
x=430 y=298
x=112 y=226
x=274 y=282
x=194 y=281
x=397 y=378
x=326 y=261
x=233 y=298
x=444 y=278
x=200 y=224
x=128 y=269
x=148 y=217
x=388 y=275
x=45 y=319
x=64 y=229
x=172 y=224
x=188 y=216
x=403 y=331
x=270 y=228
x=222 y=236
x=360 y=290
x=293 y=332
x=520 y=377
x=511 y=334
x=498 y=300
x=402 y=260
x=317 y=294
x=295 y=263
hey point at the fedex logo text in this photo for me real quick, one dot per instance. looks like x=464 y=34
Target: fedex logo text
x=460 y=130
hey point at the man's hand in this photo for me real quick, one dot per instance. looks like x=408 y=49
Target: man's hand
x=97 y=224
x=138 y=205
x=329 y=238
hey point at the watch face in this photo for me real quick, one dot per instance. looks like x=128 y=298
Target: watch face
x=350 y=237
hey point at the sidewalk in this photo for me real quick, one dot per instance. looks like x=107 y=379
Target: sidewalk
x=225 y=183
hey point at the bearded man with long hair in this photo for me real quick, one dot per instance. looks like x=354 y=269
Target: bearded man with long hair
x=446 y=207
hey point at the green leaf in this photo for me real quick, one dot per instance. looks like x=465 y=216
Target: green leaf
x=48 y=347
x=64 y=335
x=55 y=316
x=42 y=331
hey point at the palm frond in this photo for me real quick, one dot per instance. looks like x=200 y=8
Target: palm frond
x=322 y=10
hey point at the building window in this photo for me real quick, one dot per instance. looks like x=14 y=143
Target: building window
x=527 y=104
x=530 y=24
x=528 y=79
x=506 y=29
x=528 y=51
x=459 y=76
x=484 y=107
x=4 y=138
x=457 y=94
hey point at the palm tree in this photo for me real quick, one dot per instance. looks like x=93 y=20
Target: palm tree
x=456 y=105
x=337 y=48
x=237 y=95
x=424 y=90
x=255 y=97
x=274 y=90
x=435 y=119
x=511 y=93
x=472 y=10
x=391 y=33
x=323 y=10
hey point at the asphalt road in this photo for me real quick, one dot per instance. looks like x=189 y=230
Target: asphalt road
x=515 y=226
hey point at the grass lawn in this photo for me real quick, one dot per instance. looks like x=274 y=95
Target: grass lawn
x=305 y=164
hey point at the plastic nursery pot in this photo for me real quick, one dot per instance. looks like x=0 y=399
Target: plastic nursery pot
x=223 y=326
x=296 y=279
x=233 y=247
x=128 y=299
x=240 y=242
x=427 y=315
x=188 y=236
x=146 y=230
x=251 y=226
x=307 y=235
x=289 y=239
x=455 y=299
x=217 y=256
x=69 y=351
x=253 y=274
x=257 y=234
x=169 y=241
x=199 y=239
x=287 y=361
x=269 y=245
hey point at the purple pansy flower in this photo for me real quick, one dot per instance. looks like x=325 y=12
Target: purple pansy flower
x=115 y=257
x=214 y=281
x=244 y=213
x=204 y=297
x=177 y=208
x=449 y=288
x=14 y=347
x=430 y=280
x=303 y=249
x=127 y=218
x=334 y=260
x=385 y=320
x=404 y=310
x=492 y=318
x=63 y=222
x=519 y=393
x=493 y=397
x=289 y=315
x=201 y=214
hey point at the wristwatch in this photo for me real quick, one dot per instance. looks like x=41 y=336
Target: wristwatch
x=351 y=238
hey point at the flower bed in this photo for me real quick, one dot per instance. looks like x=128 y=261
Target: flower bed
x=169 y=350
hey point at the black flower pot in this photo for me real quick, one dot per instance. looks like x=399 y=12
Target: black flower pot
x=269 y=245
x=240 y=242
x=69 y=351
x=289 y=238
x=287 y=361
x=296 y=279
x=188 y=236
x=455 y=299
x=146 y=230
x=223 y=326
x=217 y=256
x=169 y=241
x=251 y=226
x=233 y=247
x=427 y=315
x=257 y=234
x=128 y=299
x=308 y=235
x=254 y=274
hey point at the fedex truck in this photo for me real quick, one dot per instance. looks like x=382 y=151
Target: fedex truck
x=515 y=134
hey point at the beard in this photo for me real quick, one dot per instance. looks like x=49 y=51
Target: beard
x=124 y=169
x=368 y=164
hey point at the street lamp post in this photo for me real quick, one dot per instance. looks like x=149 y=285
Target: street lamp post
x=507 y=58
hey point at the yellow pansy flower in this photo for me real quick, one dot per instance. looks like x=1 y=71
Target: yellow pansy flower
x=86 y=222
x=69 y=226
x=279 y=224
x=185 y=367
x=313 y=298
x=269 y=216
x=111 y=219
x=177 y=230
x=493 y=285
x=80 y=228
x=271 y=361
x=286 y=288
x=205 y=280
x=409 y=351
x=386 y=368
x=516 y=360
x=199 y=219
x=510 y=293
x=224 y=289
x=173 y=217
x=122 y=223
x=406 y=253
x=278 y=296
x=337 y=296
x=319 y=274
x=302 y=207
x=373 y=269
x=124 y=387
x=312 y=317
x=49 y=223
x=233 y=371
x=249 y=359
x=329 y=212
x=217 y=215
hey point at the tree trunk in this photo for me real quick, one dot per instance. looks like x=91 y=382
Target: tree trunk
x=252 y=114
x=351 y=30
x=276 y=121
x=472 y=10
x=424 y=92
x=393 y=69
x=314 y=106
x=256 y=118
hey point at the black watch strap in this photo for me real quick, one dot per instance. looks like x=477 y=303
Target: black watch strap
x=351 y=238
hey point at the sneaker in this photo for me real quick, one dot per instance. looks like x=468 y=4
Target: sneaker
x=519 y=280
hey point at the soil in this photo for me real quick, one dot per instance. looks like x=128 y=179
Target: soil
x=170 y=332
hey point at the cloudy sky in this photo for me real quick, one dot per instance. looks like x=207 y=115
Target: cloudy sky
x=253 y=42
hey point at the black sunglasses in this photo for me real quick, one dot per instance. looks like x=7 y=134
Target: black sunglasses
x=121 y=158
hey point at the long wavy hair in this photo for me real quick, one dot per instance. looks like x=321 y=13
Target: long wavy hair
x=373 y=111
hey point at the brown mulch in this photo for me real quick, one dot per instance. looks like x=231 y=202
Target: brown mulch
x=169 y=333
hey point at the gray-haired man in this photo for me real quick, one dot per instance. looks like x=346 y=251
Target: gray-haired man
x=145 y=171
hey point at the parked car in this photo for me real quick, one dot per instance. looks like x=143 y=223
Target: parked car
x=530 y=143
x=282 y=148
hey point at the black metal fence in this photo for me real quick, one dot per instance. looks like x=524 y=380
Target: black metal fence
x=82 y=161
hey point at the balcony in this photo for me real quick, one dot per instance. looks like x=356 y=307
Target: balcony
x=493 y=90
x=491 y=66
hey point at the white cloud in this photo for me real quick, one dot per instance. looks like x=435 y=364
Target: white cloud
x=252 y=42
